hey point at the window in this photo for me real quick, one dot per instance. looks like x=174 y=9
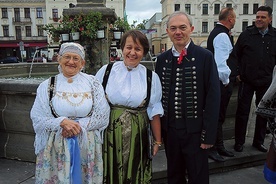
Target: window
x=229 y=5
x=39 y=13
x=40 y=31
x=16 y=15
x=4 y=12
x=215 y=23
x=188 y=8
x=27 y=12
x=177 y=7
x=18 y=32
x=245 y=8
x=244 y=25
x=28 y=31
x=55 y=13
x=204 y=27
x=205 y=9
x=6 y=31
x=255 y=7
x=217 y=9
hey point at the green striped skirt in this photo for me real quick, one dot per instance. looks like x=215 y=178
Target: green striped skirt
x=125 y=147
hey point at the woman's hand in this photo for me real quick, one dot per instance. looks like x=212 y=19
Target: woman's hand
x=70 y=128
x=156 y=148
x=156 y=130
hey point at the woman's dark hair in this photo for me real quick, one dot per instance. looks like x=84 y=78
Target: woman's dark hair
x=136 y=36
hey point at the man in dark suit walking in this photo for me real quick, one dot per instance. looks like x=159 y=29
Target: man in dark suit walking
x=190 y=89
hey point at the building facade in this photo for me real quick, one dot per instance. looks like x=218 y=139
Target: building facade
x=22 y=21
x=205 y=16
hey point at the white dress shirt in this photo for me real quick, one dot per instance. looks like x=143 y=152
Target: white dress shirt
x=129 y=88
x=222 y=50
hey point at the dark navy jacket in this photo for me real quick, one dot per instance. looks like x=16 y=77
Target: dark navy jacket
x=200 y=93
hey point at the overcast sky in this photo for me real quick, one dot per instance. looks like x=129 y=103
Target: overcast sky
x=141 y=9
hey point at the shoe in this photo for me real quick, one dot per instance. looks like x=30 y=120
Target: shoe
x=238 y=147
x=260 y=147
x=225 y=152
x=213 y=154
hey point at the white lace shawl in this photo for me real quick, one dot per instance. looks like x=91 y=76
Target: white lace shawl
x=44 y=122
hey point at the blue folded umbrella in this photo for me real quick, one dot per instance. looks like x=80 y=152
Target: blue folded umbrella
x=75 y=161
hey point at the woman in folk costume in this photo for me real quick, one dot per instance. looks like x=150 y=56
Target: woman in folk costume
x=134 y=93
x=69 y=115
x=267 y=108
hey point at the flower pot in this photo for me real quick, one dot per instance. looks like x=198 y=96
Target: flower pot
x=100 y=34
x=75 y=35
x=118 y=35
x=65 y=37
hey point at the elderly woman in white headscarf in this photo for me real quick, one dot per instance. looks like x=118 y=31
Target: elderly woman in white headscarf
x=69 y=116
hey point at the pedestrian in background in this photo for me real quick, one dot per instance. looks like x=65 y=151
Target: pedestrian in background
x=134 y=94
x=255 y=50
x=190 y=98
x=220 y=44
x=44 y=59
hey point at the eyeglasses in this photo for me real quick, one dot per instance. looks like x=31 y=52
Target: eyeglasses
x=174 y=28
x=68 y=58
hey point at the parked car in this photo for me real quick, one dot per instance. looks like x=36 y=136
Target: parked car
x=36 y=59
x=9 y=60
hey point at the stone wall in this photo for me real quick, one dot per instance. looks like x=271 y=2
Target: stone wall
x=23 y=69
x=16 y=99
x=16 y=131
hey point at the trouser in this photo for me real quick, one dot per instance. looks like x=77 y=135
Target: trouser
x=225 y=92
x=245 y=95
x=185 y=155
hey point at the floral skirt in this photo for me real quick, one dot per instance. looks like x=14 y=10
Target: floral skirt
x=125 y=148
x=53 y=163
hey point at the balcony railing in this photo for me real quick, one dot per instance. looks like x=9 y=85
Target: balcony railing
x=21 y=20
x=33 y=38
x=5 y=38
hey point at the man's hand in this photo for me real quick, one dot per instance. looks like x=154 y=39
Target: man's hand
x=206 y=146
x=238 y=78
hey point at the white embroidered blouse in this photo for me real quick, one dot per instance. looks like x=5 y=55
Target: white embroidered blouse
x=129 y=88
x=70 y=100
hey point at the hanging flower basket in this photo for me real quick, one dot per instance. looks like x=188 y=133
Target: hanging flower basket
x=117 y=35
x=75 y=36
x=100 y=34
x=65 y=37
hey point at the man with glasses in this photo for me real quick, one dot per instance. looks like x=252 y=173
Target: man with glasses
x=190 y=98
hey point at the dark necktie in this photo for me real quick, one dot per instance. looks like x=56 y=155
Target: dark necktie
x=181 y=56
